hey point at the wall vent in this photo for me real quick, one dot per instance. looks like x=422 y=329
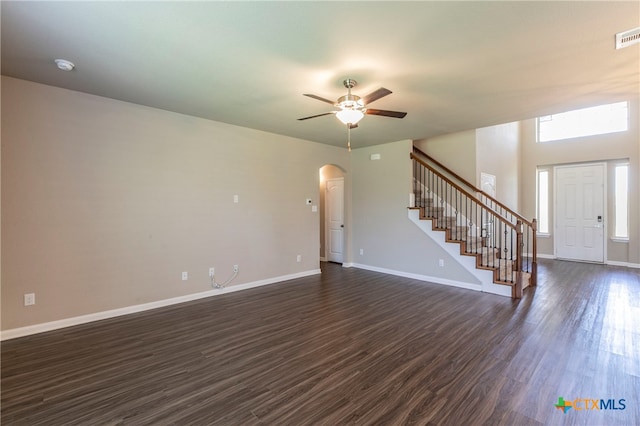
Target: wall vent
x=628 y=38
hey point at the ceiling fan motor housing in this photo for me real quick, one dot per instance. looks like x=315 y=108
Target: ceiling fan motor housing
x=349 y=83
x=350 y=101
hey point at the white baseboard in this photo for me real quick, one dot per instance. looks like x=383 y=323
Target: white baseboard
x=608 y=262
x=427 y=278
x=627 y=264
x=83 y=319
x=546 y=256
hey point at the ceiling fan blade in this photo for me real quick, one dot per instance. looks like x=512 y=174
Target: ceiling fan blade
x=374 y=96
x=319 y=98
x=318 y=115
x=384 y=112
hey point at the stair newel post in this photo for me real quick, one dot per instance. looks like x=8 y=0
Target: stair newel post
x=534 y=256
x=518 y=263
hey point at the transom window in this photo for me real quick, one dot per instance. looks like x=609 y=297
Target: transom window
x=598 y=120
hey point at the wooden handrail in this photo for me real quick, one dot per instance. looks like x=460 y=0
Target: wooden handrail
x=464 y=191
x=458 y=177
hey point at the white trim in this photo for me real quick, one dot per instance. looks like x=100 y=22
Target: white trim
x=546 y=256
x=323 y=259
x=622 y=240
x=83 y=319
x=608 y=262
x=434 y=280
x=627 y=264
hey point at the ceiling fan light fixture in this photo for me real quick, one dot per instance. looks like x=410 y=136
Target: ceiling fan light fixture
x=349 y=116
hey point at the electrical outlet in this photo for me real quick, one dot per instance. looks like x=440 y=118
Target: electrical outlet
x=361 y=252
x=185 y=276
x=441 y=263
x=212 y=272
x=299 y=258
x=29 y=299
x=235 y=268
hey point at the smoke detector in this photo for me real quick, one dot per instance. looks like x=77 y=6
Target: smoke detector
x=64 y=65
x=628 y=38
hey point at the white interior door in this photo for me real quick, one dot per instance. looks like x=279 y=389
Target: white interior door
x=334 y=202
x=579 y=207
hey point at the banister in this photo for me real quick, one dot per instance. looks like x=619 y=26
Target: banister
x=513 y=257
x=458 y=177
x=462 y=190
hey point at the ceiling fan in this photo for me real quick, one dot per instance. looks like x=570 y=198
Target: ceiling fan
x=353 y=107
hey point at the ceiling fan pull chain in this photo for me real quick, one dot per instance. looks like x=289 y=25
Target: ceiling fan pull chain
x=349 y=137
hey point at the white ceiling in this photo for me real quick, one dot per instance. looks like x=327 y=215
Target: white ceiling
x=452 y=66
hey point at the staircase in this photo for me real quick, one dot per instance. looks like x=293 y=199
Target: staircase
x=501 y=241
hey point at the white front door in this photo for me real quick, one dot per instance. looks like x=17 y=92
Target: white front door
x=579 y=207
x=334 y=201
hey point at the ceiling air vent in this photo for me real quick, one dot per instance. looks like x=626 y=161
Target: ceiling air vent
x=627 y=38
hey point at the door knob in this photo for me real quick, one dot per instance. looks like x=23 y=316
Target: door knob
x=341 y=226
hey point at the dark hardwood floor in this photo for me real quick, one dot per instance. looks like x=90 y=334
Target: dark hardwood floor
x=345 y=347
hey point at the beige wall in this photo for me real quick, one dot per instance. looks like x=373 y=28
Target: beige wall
x=105 y=203
x=457 y=151
x=602 y=148
x=497 y=153
x=381 y=227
